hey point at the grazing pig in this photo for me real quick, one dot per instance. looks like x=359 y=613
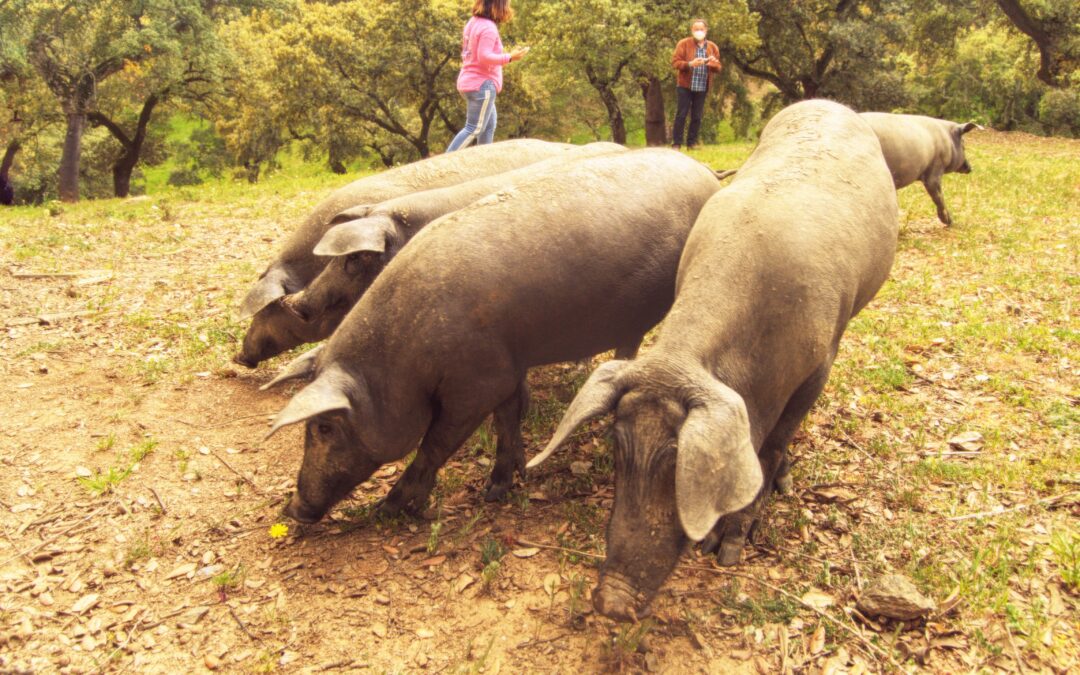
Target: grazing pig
x=297 y=264
x=776 y=265
x=922 y=148
x=556 y=269
x=362 y=247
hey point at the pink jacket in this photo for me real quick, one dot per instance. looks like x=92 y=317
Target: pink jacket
x=482 y=57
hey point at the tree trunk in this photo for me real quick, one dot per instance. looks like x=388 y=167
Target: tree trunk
x=121 y=173
x=7 y=190
x=655 y=119
x=615 y=118
x=334 y=157
x=1050 y=56
x=69 y=160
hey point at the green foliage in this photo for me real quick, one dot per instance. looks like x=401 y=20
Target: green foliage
x=823 y=48
x=357 y=82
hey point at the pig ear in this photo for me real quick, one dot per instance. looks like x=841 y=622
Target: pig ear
x=364 y=234
x=600 y=394
x=351 y=213
x=267 y=289
x=300 y=367
x=716 y=468
x=968 y=126
x=325 y=394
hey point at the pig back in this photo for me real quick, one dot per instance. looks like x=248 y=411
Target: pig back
x=801 y=239
x=433 y=172
x=552 y=269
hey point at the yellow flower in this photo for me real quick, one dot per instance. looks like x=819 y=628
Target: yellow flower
x=279 y=530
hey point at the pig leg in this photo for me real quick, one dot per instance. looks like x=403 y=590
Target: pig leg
x=510 y=451
x=729 y=535
x=933 y=186
x=443 y=438
x=783 y=483
x=629 y=350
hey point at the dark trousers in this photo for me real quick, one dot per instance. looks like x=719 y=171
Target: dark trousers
x=694 y=103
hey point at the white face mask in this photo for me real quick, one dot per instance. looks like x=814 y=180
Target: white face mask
x=699 y=35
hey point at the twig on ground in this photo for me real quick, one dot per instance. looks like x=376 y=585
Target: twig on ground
x=49 y=540
x=15 y=547
x=160 y=503
x=1019 y=507
x=1015 y=651
x=45 y=275
x=247 y=480
x=108 y=660
x=237 y=419
x=240 y=623
x=533 y=544
x=533 y=642
x=343 y=663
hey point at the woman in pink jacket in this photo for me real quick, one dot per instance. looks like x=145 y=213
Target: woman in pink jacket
x=480 y=79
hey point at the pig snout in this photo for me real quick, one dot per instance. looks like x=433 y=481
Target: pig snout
x=617 y=599
x=244 y=360
x=301 y=512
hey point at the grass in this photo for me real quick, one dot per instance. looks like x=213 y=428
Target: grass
x=105 y=480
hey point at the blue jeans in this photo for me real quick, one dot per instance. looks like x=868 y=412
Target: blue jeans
x=480 y=117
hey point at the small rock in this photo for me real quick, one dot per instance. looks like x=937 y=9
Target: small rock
x=182 y=571
x=463 y=582
x=425 y=633
x=378 y=629
x=192 y=616
x=381 y=599
x=211 y=662
x=208 y=557
x=83 y=472
x=580 y=468
x=894 y=597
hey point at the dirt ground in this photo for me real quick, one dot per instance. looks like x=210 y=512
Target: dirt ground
x=167 y=563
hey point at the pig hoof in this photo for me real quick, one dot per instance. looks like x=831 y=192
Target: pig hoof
x=497 y=492
x=784 y=484
x=730 y=553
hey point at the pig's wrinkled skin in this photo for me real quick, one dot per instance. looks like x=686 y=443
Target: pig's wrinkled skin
x=776 y=265
x=363 y=247
x=919 y=148
x=551 y=270
x=296 y=265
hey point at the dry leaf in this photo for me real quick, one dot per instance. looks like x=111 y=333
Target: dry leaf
x=971 y=441
x=817 y=640
x=818 y=599
x=434 y=561
x=525 y=552
x=85 y=603
x=378 y=629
